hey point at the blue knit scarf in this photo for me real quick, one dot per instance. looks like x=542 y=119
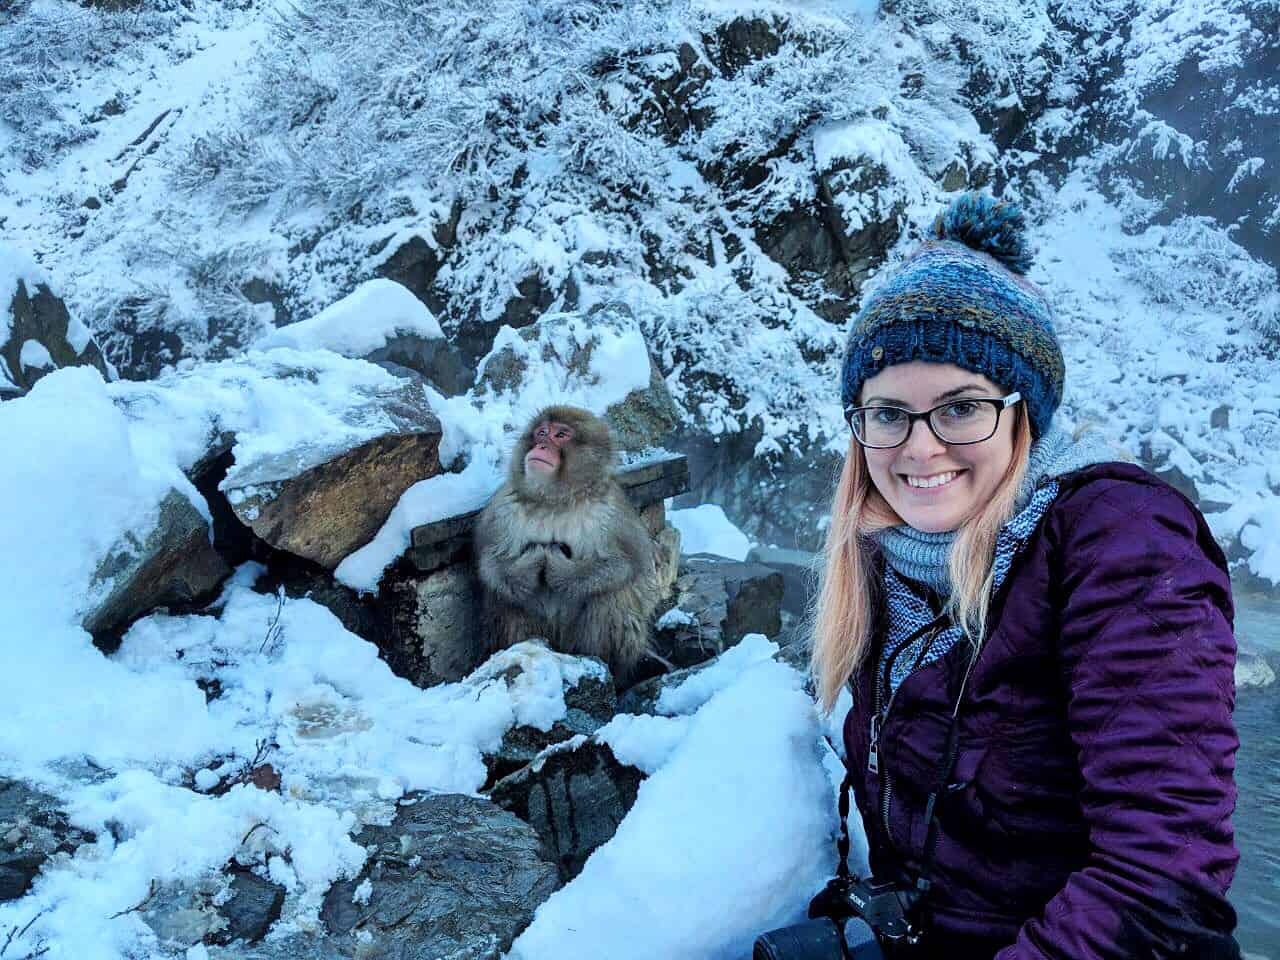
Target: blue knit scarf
x=913 y=554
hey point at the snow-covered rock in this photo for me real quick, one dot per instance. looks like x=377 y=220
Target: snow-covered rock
x=37 y=334
x=561 y=697
x=380 y=321
x=570 y=356
x=171 y=565
x=33 y=829
x=1253 y=670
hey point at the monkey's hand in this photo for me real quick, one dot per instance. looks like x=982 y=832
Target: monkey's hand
x=518 y=581
x=562 y=573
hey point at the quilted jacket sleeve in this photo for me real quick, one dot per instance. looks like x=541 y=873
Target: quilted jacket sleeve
x=1147 y=653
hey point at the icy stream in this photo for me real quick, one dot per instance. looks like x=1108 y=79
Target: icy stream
x=1255 y=892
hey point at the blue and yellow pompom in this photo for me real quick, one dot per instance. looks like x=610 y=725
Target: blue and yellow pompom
x=991 y=226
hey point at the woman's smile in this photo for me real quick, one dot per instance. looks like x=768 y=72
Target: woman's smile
x=931 y=484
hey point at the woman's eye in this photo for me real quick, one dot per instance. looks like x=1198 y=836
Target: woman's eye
x=960 y=410
x=887 y=416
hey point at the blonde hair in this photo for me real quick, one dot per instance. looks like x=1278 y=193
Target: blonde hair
x=849 y=594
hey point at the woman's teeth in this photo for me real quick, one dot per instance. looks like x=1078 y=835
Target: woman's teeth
x=934 y=481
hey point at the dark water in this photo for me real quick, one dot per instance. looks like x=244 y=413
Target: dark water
x=1255 y=893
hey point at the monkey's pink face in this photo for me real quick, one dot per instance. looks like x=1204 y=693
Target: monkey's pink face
x=549 y=439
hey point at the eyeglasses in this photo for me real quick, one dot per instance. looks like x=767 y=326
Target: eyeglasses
x=967 y=420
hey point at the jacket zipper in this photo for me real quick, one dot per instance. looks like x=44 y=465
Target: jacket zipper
x=879 y=719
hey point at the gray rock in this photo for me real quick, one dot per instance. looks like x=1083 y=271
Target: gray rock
x=41 y=324
x=33 y=829
x=255 y=904
x=589 y=704
x=865 y=214
x=743 y=41
x=726 y=600
x=799 y=574
x=575 y=796
x=432 y=623
x=1252 y=670
x=642 y=419
x=451 y=876
x=323 y=504
x=437 y=361
x=172 y=565
x=416 y=262
x=184 y=914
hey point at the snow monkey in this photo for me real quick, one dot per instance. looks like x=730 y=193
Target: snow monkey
x=562 y=553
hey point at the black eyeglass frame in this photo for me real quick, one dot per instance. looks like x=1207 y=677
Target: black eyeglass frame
x=1001 y=404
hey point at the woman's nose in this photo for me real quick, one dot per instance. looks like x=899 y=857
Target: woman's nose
x=921 y=442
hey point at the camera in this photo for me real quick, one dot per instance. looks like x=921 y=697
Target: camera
x=850 y=919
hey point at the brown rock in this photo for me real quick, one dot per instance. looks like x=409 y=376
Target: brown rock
x=173 y=565
x=323 y=505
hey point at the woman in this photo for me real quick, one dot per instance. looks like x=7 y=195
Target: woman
x=1038 y=639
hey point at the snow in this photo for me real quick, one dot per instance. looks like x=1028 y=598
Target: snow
x=739 y=820
x=16 y=267
x=706 y=529
x=436 y=498
x=1261 y=536
x=35 y=356
x=859 y=140
x=692 y=693
x=365 y=320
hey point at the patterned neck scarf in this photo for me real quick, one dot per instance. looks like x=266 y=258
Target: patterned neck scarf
x=912 y=554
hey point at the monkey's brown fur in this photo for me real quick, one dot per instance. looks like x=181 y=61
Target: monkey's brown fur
x=566 y=557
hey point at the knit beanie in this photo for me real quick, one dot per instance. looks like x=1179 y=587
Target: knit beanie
x=962 y=297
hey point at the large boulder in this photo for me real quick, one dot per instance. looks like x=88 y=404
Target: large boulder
x=324 y=502
x=451 y=876
x=861 y=195
x=33 y=830
x=574 y=794
x=37 y=334
x=717 y=602
x=171 y=565
x=799 y=569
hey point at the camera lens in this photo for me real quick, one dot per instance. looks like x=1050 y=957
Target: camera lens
x=817 y=940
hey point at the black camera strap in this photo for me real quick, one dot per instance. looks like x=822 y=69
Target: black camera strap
x=946 y=765
x=842 y=844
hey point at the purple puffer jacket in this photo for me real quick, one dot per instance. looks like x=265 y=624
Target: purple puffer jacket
x=1089 y=809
